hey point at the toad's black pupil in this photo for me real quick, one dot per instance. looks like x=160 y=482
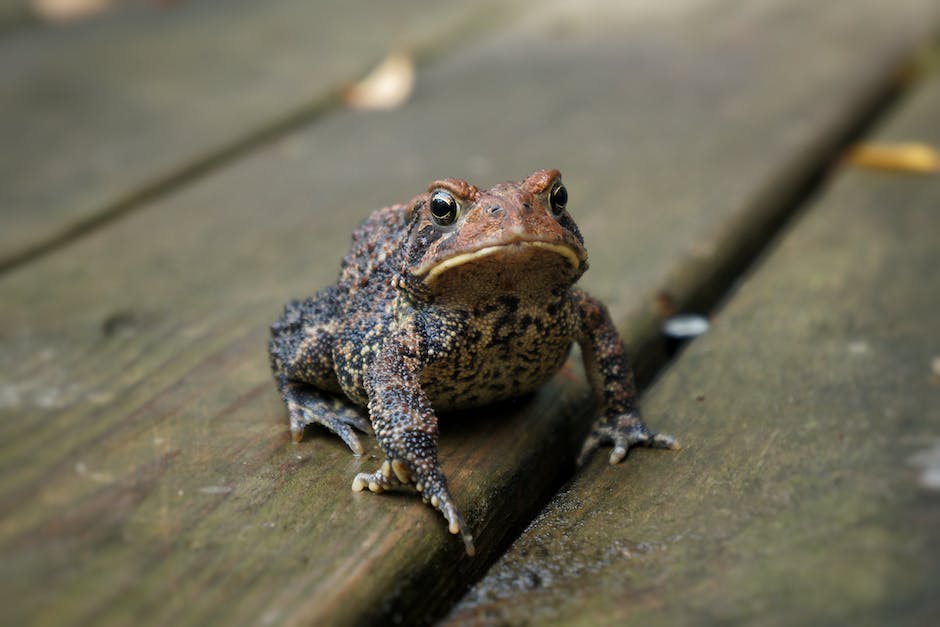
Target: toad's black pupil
x=443 y=208
x=559 y=198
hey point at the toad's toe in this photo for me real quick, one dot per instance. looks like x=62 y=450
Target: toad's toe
x=623 y=433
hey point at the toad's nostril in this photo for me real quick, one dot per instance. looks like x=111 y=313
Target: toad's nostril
x=495 y=209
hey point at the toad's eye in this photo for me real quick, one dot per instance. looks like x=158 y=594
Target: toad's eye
x=558 y=199
x=444 y=208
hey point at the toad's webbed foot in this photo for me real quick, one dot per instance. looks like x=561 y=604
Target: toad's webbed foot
x=307 y=405
x=623 y=432
x=607 y=367
x=395 y=475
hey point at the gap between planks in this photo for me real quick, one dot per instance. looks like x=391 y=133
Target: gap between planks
x=216 y=158
x=702 y=286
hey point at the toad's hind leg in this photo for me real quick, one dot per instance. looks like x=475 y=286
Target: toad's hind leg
x=307 y=405
x=301 y=359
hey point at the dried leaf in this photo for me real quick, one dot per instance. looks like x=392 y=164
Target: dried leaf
x=911 y=157
x=387 y=86
x=68 y=10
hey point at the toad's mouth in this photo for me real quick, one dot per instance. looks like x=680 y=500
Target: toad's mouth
x=499 y=249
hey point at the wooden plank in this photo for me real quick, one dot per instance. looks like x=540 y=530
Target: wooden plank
x=21 y=14
x=14 y=14
x=105 y=112
x=807 y=492
x=146 y=469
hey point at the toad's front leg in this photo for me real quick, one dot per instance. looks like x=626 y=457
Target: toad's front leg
x=608 y=369
x=406 y=428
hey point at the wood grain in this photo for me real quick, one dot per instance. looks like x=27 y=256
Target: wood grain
x=806 y=492
x=146 y=473
x=101 y=115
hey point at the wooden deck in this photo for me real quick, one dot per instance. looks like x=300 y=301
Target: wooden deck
x=172 y=175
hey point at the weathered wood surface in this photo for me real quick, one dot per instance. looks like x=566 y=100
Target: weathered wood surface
x=808 y=491
x=106 y=112
x=146 y=467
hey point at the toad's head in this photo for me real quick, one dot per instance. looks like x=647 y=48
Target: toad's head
x=513 y=238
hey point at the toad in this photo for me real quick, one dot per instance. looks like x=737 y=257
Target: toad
x=459 y=298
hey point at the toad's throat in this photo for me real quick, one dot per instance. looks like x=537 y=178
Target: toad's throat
x=458 y=260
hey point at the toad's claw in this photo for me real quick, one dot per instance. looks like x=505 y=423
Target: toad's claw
x=456 y=525
x=623 y=433
x=396 y=475
x=381 y=480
